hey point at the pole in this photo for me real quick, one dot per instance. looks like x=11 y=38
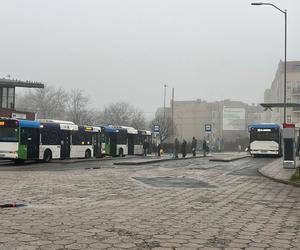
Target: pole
x=165 y=86
x=285 y=45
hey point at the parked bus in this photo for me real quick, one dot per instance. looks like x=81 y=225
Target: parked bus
x=265 y=139
x=115 y=140
x=143 y=137
x=67 y=140
x=132 y=138
x=19 y=140
x=22 y=140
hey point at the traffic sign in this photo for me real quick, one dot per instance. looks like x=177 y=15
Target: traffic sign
x=208 y=128
x=156 y=129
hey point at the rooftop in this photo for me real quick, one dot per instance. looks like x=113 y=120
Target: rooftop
x=18 y=83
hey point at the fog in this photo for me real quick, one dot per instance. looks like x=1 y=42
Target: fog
x=126 y=50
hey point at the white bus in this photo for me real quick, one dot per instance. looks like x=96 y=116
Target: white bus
x=265 y=139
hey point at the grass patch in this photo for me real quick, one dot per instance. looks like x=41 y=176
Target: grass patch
x=296 y=176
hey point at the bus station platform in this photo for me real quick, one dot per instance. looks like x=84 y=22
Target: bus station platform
x=276 y=172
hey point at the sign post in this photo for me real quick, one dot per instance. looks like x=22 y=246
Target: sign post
x=289 y=146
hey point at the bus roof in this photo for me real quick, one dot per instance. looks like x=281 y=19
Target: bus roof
x=130 y=130
x=110 y=129
x=29 y=124
x=56 y=121
x=264 y=125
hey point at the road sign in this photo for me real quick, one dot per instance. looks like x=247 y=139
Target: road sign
x=156 y=129
x=208 y=128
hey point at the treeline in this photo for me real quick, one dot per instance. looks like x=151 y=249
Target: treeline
x=59 y=104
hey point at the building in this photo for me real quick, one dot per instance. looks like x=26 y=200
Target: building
x=276 y=92
x=228 y=120
x=8 y=98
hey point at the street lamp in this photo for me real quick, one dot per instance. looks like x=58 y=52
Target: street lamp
x=285 y=39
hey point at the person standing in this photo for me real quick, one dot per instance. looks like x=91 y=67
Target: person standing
x=204 y=146
x=183 y=148
x=158 y=149
x=145 y=147
x=194 y=146
x=176 y=148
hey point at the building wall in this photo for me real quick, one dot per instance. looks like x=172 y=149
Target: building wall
x=275 y=93
x=190 y=118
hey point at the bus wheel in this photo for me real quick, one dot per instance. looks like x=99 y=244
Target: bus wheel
x=47 y=155
x=19 y=161
x=121 y=152
x=87 y=154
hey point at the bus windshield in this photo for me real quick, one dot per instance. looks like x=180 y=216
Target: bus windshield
x=8 y=131
x=264 y=135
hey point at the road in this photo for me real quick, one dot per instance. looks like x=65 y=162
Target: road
x=190 y=204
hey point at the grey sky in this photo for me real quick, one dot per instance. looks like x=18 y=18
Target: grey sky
x=126 y=50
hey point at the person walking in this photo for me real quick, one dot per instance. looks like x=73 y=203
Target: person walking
x=176 y=148
x=183 y=148
x=194 y=146
x=204 y=146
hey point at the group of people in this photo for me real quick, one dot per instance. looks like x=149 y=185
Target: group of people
x=183 y=147
x=178 y=147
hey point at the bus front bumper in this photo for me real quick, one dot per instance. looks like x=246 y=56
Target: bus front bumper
x=9 y=154
x=264 y=152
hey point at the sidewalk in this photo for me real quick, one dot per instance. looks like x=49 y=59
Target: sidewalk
x=276 y=172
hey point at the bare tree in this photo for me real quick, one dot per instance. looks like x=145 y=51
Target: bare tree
x=122 y=113
x=165 y=124
x=77 y=107
x=49 y=102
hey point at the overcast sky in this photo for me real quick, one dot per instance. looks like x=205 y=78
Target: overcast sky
x=126 y=50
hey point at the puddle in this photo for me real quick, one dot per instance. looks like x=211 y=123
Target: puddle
x=181 y=182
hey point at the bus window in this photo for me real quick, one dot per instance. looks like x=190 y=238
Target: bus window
x=8 y=131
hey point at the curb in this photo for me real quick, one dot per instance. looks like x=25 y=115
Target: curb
x=126 y=163
x=229 y=159
x=278 y=180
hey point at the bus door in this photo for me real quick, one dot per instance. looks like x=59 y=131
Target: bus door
x=131 y=144
x=113 y=144
x=29 y=143
x=97 y=144
x=64 y=143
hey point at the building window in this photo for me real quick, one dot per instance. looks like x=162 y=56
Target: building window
x=288 y=85
x=7 y=97
x=10 y=98
x=289 y=100
x=4 y=97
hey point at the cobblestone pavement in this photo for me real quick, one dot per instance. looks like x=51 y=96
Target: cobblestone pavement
x=192 y=204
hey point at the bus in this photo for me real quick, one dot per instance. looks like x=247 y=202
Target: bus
x=19 y=140
x=143 y=136
x=60 y=140
x=22 y=140
x=114 y=141
x=132 y=138
x=265 y=139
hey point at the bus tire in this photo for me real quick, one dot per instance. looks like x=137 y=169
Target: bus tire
x=47 y=155
x=19 y=161
x=87 y=154
x=121 y=152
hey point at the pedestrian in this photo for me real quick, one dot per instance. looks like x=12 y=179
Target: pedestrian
x=158 y=149
x=183 y=148
x=176 y=148
x=145 y=147
x=194 y=146
x=204 y=146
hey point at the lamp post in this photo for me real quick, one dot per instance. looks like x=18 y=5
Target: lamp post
x=285 y=42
